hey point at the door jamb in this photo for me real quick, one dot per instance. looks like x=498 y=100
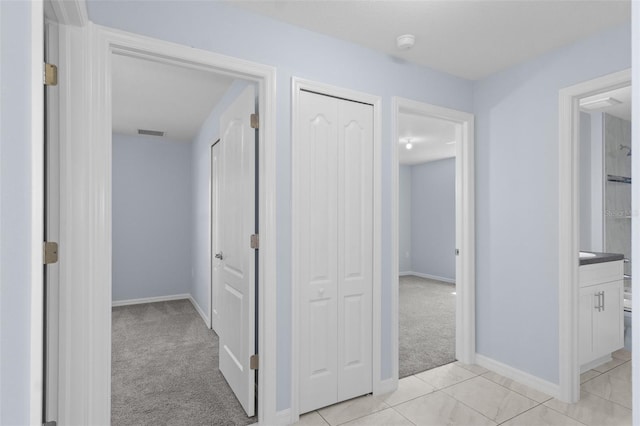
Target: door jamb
x=86 y=202
x=465 y=226
x=569 y=224
x=298 y=84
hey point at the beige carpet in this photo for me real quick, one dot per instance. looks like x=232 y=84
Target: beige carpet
x=165 y=369
x=427 y=324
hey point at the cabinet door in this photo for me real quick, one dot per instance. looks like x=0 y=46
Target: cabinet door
x=608 y=325
x=587 y=308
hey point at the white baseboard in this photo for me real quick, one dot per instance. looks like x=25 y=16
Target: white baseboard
x=429 y=277
x=405 y=273
x=385 y=386
x=200 y=311
x=519 y=376
x=150 y=300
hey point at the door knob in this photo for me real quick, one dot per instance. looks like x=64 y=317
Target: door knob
x=219 y=255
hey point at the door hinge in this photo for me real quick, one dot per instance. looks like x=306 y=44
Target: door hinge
x=50 y=75
x=457 y=252
x=51 y=423
x=255 y=121
x=255 y=241
x=254 y=361
x=50 y=252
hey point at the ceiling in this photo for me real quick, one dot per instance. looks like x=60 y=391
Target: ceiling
x=431 y=138
x=467 y=38
x=155 y=96
x=621 y=110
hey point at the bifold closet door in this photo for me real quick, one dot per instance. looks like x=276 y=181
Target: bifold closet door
x=333 y=209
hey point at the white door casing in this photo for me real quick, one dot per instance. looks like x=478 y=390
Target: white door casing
x=237 y=271
x=334 y=205
x=465 y=225
x=216 y=263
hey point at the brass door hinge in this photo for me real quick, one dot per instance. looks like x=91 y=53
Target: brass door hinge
x=254 y=362
x=255 y=121
x=50 y=252
x=50 y=75
x=255 y=241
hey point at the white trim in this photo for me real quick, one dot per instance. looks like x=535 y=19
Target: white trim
x=36 y=121
x=519 y=376
x=569 y=225
x=427 y=276
x=298 y=84
x=197 y=307
x=635 y=206
x=465 y=225
x=387 y=385
x=154 y=299
x=86 y=193
x=67 y=12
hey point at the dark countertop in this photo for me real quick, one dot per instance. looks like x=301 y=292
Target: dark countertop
x=600 y=258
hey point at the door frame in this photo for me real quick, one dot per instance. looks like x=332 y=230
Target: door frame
x=465 y=226
x=210 y=255
x=297 y=85
x=86 y=204
x=569 y=224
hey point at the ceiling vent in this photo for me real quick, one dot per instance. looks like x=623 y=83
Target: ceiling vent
x=596 y=104
x=150 y=132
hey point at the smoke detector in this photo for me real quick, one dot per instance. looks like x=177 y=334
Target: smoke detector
x=406 y=41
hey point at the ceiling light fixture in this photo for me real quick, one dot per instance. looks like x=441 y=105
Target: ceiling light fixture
x=406 y=41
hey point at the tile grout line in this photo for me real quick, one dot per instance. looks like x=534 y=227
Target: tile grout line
x=525 y=411
x=564 y=414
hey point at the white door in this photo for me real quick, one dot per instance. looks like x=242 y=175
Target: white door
x=216 y=252
x=237 y=270
x=334 y=211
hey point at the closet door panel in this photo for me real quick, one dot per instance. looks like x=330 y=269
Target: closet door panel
x=355 y=248
x=315 y=186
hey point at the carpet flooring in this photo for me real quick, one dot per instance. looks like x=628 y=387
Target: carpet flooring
x=165 y=369
x=427 y=324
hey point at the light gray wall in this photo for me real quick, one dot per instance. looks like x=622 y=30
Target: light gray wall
x=15 y=211
x=433 y=218
x=151 y=217
x=517 y=199
x=585 y=181
x=207 y=25
x=597 y=182
x=404 y=220
x=200 y=176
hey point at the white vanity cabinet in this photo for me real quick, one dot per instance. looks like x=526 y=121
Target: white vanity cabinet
x=601 y=321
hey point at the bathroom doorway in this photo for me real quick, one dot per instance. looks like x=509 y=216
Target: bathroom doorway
x=584 y=175
x=434 y=237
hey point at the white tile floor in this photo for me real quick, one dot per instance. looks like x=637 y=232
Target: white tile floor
x=469 y=395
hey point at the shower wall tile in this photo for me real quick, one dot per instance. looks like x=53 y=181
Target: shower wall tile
x=617 y=133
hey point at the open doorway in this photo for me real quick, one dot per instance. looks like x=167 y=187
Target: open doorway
x=427 y=225
x=595 y=199
x=167 y=362
x=434 y=255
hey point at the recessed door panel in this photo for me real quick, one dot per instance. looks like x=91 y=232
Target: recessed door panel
x=333 y=211
x=237 y=270
x=355 y=248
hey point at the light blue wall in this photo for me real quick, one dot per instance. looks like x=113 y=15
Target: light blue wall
x=517 y=199
x=404 y=220
x=219 y=27
x=433 y=218
x=200 y=176
x=151 y=217
x=15 y=211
